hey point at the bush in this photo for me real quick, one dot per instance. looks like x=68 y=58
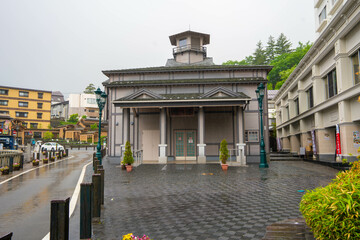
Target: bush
x=332 y=212
x=224 y=152
x=128 y=157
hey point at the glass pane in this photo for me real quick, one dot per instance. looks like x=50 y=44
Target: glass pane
x=190 y=144
x=179 y=143
x=355 y=62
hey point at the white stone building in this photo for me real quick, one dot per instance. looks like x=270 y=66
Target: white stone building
x=322 y=92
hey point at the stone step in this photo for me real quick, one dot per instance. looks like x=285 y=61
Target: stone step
x=285 y=159
x=290 y=229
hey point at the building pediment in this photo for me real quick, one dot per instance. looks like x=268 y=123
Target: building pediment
x=220 y=92
x=142 y=94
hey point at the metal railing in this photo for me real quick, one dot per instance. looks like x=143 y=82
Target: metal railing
x=5 y=156
x=138 y=157
x=189 y=47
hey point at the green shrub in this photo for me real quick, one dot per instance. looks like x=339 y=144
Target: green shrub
x=332 y=212
x=224 y=152
x=128 y=157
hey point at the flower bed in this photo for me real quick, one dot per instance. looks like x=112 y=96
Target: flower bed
x=4 y=170
x=36 y=162
x=45 y=160
x=131 y=236
x=16 y=166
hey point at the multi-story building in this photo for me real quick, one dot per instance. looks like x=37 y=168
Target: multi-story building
x=182 y=111
x=317 y=107
x=60 y=110
x=83 y=104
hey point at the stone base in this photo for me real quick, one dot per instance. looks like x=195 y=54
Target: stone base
x=241 y=160
x=201 y=159
x=163 y=160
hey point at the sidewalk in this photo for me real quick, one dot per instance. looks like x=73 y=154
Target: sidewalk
x=178 y=201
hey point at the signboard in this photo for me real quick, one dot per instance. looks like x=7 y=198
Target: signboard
x=14 y=132
x=313 y=141
x=356 y=137
x=338 y=143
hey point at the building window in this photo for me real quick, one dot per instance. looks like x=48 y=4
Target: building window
x=91 y=100
x=322 y=15
x=287 y=112
x=91 y=110
x=39 y=115
x=331 y=84
x=40 y=105
x=4 y=102
x=297 y=106
x=25 y=124
x=23 y=94
x=34 y=125
x=23 y=104
x=37 y=134
x=182 y=42
x=355 y=63
x=21 y=114
x=4 y=112
x=4 y=92
x=40 y=95
x=251 y=136
x=310 y=97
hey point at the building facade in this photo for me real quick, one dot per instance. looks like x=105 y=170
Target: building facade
x=83 y=104
x=60 y=110
x=317 y=106
x=182 y=111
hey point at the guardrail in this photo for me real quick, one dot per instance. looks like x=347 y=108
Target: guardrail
x=9 y=157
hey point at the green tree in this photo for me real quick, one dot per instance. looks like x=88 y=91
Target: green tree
x=83 y=116
x=283 y=45
x=128 y=157
x=48 y=135
x=224 y=152
x=73 y=119
x=270 y=49
x=93 y=126
x=259 y=55
x=90 y=89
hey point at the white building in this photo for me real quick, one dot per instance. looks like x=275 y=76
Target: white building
x=321 y=94
x=83 y=104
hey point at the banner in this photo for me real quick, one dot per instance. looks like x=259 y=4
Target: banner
x=279 y=147
x=313 y=141
x=338 y=142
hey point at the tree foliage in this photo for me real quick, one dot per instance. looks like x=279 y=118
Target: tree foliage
x=48 y=135
x=224 y=152
x=93 y=126
x=277 y=53
x=128 y=157
x=90 y=89
x=73 y=119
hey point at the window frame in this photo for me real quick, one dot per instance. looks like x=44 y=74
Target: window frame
x=322 y=15
x=310 y=97
x=34 y=124
x=355 y=81
x=251 y=131
x=6 y=102
x=41 y=104
x=23 y=94
x=6 y=91
x=39 y=115
x=18 y=114
x=40 y=94
x=25 y=104
x=297 y=106
x=4 y=112
x=331 y=78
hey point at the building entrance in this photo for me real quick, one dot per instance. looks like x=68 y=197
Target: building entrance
x=185 y=145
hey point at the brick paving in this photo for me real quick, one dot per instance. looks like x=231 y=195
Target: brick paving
x=181 y=202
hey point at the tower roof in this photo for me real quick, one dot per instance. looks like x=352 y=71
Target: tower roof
x=190 y=33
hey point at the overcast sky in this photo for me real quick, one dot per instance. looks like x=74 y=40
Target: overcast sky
x=63 y=45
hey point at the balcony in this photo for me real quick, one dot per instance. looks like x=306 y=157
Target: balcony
x=189 y=47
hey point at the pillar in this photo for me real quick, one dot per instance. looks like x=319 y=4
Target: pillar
x=241 y=158
x=126 y=129
x=201 y=129
x=162 y=145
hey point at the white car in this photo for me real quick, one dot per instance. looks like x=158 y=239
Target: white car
x=51 y=146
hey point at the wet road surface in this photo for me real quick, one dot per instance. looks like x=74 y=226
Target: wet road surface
x=25 y=200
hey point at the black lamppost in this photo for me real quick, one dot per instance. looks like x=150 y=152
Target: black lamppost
x=260 y=92
x=100 y=99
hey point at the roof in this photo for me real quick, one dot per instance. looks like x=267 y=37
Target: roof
x=29 y=89
x=57 y=93
x=181 y=81
x=206 y=37
x=272 y=93
x=188 y=68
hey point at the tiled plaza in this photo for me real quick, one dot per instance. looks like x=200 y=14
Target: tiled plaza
x=189 y=201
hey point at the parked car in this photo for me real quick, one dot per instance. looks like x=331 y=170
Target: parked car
x=51 y=146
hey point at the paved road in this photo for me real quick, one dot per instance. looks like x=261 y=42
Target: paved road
x=25 y=200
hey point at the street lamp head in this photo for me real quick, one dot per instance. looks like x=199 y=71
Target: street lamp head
x=98 y=93
x=257 y=93
x=261 y=90
x=103 y=97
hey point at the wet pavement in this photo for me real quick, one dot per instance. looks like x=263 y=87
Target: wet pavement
x=178 y=201
x=25 y=200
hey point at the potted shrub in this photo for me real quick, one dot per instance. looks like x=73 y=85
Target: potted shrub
x=45 y=160
x=224 y=155
x=128 y=157
x=52 y=159
x=36 y=162
x=4 y=170
x=16 y=166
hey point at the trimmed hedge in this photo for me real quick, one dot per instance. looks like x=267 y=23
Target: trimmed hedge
x=332 y=212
